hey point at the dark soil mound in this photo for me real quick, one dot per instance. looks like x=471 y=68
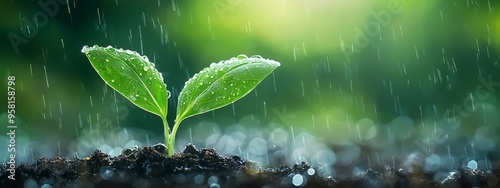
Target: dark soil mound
x=149 y=167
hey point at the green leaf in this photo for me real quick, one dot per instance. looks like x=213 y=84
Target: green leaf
x=131 y=75
x=222 y=84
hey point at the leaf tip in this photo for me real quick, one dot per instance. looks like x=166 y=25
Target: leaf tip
x=85 y=49
x=274 y=63
x=269 y=61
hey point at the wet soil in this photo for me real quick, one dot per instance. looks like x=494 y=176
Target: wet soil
x=149 y=167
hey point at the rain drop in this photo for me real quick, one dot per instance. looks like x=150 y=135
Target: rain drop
x=241 y=57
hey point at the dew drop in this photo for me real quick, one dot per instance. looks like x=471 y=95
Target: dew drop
x=257 y=56
x=213 y=92
x=107 y=60
x=241 y=57
x=113 y=80
x=132 y=98
x=146 y=68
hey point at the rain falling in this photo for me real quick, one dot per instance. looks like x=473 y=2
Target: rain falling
x=362 y=88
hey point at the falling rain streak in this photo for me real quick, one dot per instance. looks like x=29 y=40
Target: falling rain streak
x=46 y=77
x=384 y=90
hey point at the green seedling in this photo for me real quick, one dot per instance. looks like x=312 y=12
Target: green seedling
x=216 y=86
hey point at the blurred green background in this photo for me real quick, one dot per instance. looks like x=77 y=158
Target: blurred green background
x=342 y=61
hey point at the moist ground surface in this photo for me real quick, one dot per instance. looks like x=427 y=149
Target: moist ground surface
x=149 y=167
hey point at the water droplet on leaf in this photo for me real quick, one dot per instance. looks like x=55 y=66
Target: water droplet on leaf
x=241 y=57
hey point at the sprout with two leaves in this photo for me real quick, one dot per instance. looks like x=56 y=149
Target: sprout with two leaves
x=216 y=86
